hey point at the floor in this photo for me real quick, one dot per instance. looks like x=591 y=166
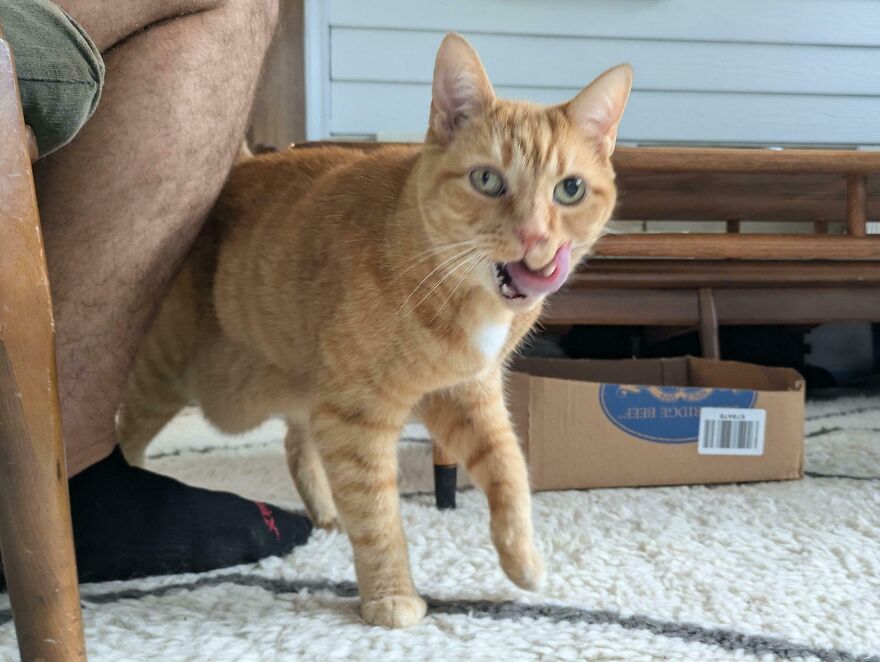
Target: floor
x=785 y=570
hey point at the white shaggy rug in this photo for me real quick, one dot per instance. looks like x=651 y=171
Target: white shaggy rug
x=763 y=571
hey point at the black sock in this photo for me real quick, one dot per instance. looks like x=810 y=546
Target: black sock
x=129 y=522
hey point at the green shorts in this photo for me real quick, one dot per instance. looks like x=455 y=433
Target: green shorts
x=60 y=70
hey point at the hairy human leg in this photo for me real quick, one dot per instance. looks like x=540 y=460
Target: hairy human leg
x=109 y=22
x=122 y=204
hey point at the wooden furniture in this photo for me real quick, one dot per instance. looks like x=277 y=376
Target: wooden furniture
x=279 y=111
x=733 y=277
x=36 y=540
x=445 y=478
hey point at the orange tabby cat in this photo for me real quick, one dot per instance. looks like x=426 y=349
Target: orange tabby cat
x=344 y=290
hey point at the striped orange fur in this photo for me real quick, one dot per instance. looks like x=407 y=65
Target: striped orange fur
x=345 y=291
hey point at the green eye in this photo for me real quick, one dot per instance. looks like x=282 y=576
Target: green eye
x=487 y=181
x=570 y=191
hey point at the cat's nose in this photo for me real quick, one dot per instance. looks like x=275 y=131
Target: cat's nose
x=537 y=250
x=531 y=237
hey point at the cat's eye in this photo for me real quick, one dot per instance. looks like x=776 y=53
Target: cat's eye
x=570 y=191
x=487 y=181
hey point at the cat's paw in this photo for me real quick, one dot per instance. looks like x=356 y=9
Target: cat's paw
x=525 y=569
x=328 y=524
x=394 y=611
x=323 y=514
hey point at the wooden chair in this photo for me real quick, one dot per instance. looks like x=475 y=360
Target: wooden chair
x=36 y=540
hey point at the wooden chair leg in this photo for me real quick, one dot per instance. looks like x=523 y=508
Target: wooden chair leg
x=709 y=325
x=36 y=539
x=445 y=478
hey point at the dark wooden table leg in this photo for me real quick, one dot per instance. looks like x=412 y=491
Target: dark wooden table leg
x=445 y=478
x=36 y=539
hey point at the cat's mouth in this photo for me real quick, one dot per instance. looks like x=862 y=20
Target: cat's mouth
x=517 y=282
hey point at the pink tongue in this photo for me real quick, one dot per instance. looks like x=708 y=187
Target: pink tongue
x=533 y=283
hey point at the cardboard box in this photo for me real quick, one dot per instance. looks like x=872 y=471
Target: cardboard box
x=586 y=423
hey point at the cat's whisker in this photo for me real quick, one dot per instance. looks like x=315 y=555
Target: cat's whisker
x=438 y=251
x=476 y=261
x=457 y=256
x=463 y=260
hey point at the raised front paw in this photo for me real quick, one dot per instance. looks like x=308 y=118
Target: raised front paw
x=394 y=611
x=524 y=566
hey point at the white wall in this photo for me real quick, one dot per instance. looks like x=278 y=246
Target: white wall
x=707 y=71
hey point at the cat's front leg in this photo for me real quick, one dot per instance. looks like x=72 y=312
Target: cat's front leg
x=358 y=445
x=471 y=422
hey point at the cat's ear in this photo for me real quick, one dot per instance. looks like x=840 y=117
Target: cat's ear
x=461 y=88
x=599 y=106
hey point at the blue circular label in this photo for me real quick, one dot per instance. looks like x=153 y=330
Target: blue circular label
x=666 y=414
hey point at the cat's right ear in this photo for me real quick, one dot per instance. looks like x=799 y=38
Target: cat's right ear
x=599 y=106
x=461 y=88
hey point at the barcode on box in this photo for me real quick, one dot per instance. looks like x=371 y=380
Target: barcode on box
x=725 y=431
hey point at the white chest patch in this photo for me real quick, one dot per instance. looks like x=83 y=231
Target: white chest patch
x=490 y=338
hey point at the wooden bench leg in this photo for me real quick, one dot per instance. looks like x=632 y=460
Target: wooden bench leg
x=445 y=478
x=709 y=325
x=856 y=205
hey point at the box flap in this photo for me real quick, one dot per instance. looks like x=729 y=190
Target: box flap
x=732 y=374
x=594 y=370
x=680 y=371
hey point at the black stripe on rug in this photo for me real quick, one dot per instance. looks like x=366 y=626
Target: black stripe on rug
x=816 y=474
x=729 y=640
x=845 y=412
x=821 y=432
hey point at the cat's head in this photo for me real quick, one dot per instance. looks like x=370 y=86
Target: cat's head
x=520 y=191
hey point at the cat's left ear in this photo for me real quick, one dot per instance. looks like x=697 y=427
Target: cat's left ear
x=461 y=88
x=599 y=106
